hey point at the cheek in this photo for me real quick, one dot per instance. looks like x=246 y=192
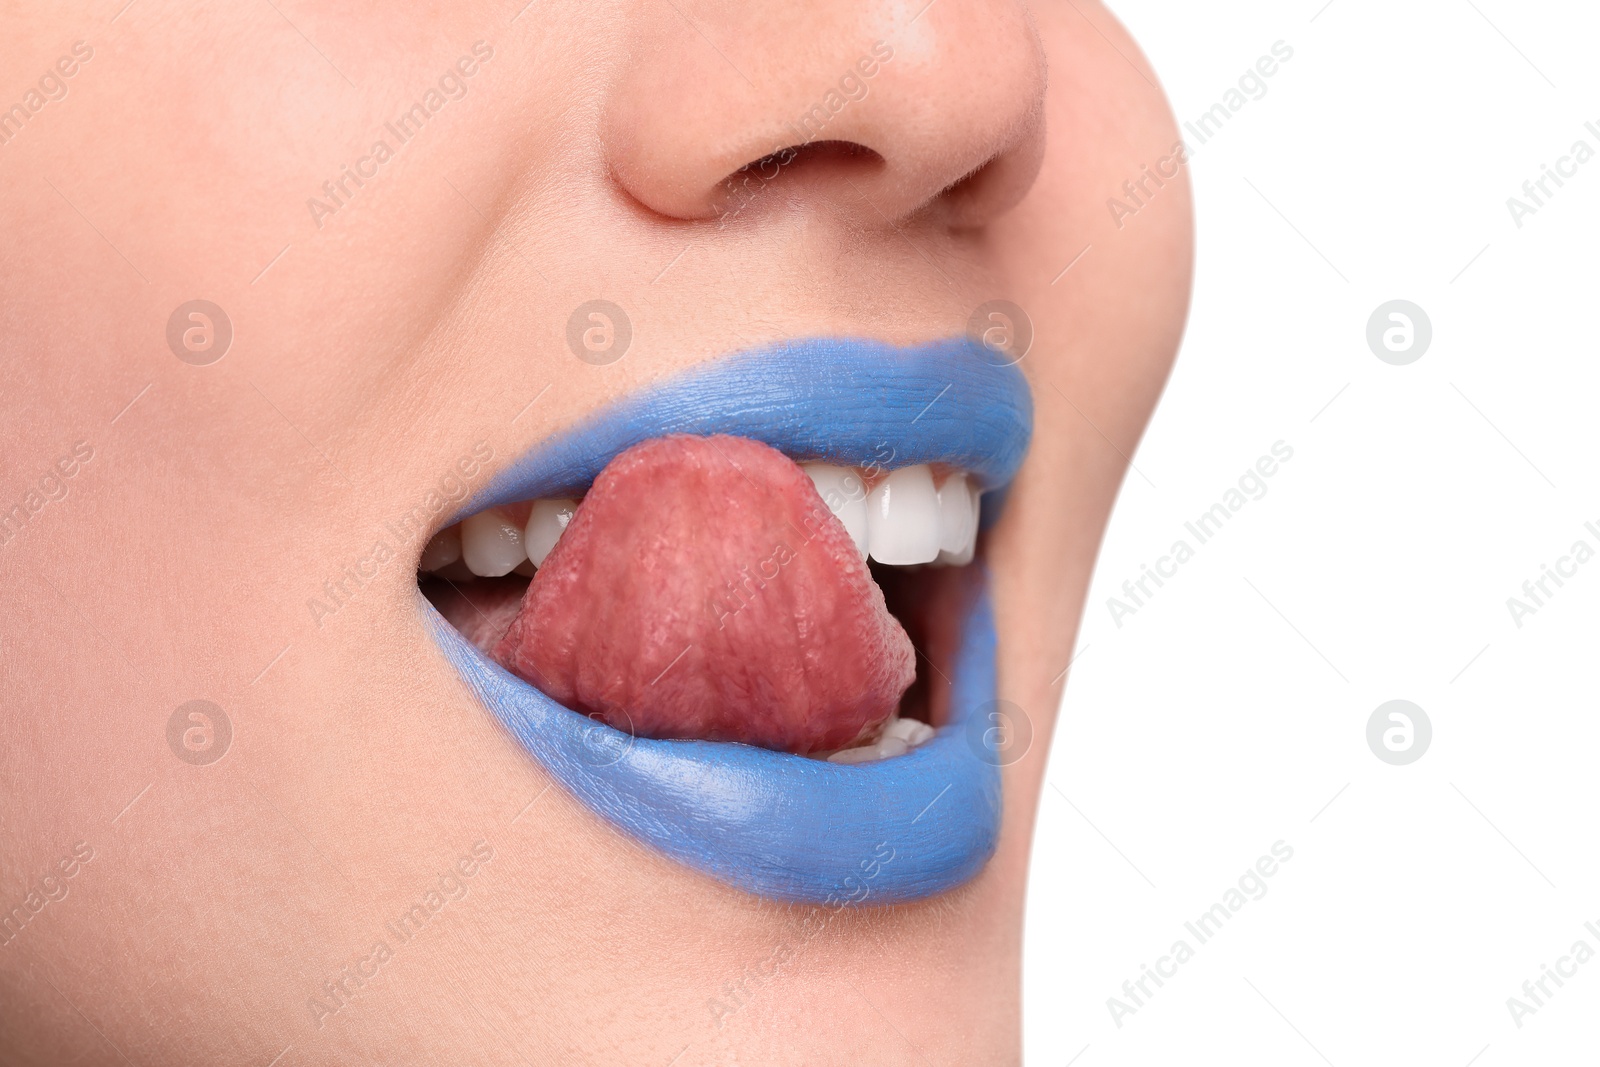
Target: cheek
x=1107 y=329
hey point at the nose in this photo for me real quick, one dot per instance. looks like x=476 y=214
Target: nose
x=727 y=108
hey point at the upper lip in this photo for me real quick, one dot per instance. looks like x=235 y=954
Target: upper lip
x=842 y=401
x=779 y=825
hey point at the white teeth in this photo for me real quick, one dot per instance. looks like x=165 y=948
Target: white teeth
x=912 y=731
x=546 y=522
x=442 y=548
x=842 y=489
x=958 y=521
x=891 y=746
x=899 y=737
x=903 y=521
x=491 y=544
x=903 y=518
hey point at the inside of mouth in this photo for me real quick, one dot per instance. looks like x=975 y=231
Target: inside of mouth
x=916 y=527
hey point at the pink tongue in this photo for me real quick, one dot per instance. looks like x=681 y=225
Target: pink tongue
x=704 y=590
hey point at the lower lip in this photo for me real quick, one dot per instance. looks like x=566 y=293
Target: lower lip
x=784 y=827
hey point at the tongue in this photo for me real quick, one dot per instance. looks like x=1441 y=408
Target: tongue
x=704 y=590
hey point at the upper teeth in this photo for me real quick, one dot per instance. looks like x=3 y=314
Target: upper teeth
x=902 y=520
x=958 y=520
x=442 y=549
x=491 y=543
x=546 y=522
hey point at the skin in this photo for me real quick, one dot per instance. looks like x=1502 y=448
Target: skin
x=421 y=318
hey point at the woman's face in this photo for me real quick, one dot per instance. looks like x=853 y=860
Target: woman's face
x=394 y=213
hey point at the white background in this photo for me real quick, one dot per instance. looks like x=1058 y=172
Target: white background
x=1230 y=711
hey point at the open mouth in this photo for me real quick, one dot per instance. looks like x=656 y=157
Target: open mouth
x=741 y=615
x=710 y=588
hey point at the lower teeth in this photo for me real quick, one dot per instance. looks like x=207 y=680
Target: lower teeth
x=899 y=737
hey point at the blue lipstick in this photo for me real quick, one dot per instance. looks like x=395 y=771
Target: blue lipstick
x=783 y=826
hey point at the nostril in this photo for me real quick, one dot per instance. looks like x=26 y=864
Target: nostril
x=968 y=182
x=961 y=197
x=995 y=185
x=814 y=152
x=818 y=161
